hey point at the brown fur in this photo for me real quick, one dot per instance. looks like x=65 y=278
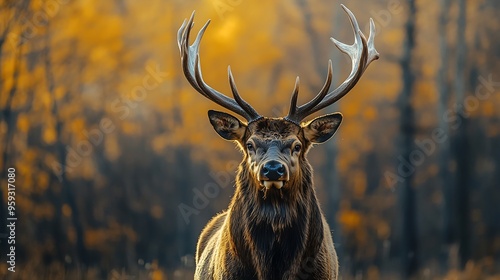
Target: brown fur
x=283 y=235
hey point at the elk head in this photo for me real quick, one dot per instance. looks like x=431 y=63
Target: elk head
x=275 y=148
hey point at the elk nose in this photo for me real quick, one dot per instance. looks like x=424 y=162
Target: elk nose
x=273 y=170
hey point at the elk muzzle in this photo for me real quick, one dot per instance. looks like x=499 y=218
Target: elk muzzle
x=273 y=173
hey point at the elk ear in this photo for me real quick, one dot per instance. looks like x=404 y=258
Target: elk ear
x=322 y=128
x=227 y=126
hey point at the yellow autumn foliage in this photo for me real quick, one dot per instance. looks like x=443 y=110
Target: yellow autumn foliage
x=350 y=220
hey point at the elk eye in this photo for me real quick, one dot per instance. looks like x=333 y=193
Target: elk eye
x=297 y=148
x=250 y=146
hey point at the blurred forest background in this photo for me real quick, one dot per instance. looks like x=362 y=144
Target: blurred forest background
x=114 y=153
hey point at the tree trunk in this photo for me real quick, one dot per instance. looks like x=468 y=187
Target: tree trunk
x=406 y=191
x=462 y=154
x=66 y=190
x=448 y=236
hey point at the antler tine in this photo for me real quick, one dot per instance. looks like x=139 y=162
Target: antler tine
x=188 y=65
x=362 y=52
x=300 y=111
x=243 y=104
x=191 y=66
x=372 y=52
x=180 y=33
x=293 y=101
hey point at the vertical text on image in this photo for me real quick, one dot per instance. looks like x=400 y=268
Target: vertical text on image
x=11 y=219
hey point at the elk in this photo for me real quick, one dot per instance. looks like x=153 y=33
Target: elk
x=273 y=227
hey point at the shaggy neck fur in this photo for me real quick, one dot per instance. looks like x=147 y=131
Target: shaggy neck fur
x=273 y=236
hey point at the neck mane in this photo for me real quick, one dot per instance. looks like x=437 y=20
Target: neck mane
x=275 y=233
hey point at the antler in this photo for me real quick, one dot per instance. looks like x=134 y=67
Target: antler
x=362 y=52
x=190 y=60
